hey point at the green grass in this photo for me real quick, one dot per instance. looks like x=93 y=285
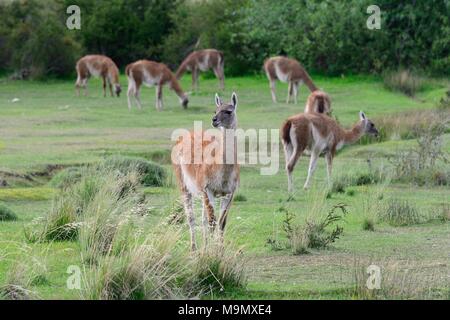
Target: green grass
x=49 y=125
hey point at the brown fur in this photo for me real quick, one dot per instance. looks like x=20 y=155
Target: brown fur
x=319 y=102
x=207 y=179
x=291 y=71
x=152 y=73
x=203 y=60
x=320 y=134
x=101 y=66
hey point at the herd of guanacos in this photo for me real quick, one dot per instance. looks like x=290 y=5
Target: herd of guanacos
x=314 y=130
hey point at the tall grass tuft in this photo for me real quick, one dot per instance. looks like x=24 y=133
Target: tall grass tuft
x=218 y=269
x=151 y=174
x=70 y=204
x=22 y=277
x=399 y=213
x=145 y=269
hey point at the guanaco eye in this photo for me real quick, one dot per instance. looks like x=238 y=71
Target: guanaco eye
x=228 y=112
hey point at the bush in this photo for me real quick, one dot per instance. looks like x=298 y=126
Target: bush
x=152 y=175
x=342 y=182
x=7 y=214
x=420 y=165
x=314 y=234
x=38 y=42
x=399 y=213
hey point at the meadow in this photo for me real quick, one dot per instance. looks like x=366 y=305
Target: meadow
x=47 y=128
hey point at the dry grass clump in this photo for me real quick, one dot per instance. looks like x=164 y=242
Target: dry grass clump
x=93 y=192
x=404 y=81
x=218 y=268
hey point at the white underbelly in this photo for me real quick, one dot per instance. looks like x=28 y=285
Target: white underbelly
x=150 y=80
x=93 y=71
x=284 y=77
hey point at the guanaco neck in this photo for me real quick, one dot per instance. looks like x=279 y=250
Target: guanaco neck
x=354 y=134
x=115 y=76
x=182 y=69
x=229 y=140
x=177 y=88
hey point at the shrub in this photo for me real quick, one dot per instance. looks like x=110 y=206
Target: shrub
x=420 y=165
x=6 y=214
x=39 y=44
x=444 y=103
x=152 y=175
x=340 y=183
x=314 y=234
x=404 y=81
x=240 y=198
x=399 y=213
x=408 y=125
x=368 y=224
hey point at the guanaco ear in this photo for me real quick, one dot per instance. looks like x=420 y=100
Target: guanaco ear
x=362 y=116
x=234 y=101
x=218 y=101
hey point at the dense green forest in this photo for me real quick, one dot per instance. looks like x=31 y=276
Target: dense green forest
x=328 y=37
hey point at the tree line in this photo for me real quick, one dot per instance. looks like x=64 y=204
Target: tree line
x=328 y=37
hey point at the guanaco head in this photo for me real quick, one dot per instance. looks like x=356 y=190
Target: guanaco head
x=225 y=115
x=117 y=89
x=184 y=102
x=368 y=125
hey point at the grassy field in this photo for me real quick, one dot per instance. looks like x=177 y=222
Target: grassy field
x=49 y=128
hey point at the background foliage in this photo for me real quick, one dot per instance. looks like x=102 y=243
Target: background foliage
x=328 y=37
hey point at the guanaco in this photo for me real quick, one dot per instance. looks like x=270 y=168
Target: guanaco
x=319 y=102
x=203 y=60
x=211 y=176
x=287 y=70
x=98 y=66
x=152 y=73
x=320 y=134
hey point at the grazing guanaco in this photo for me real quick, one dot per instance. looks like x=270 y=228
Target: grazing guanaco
x=98 y=66
x=319 y=102
x=213 y=175
x=320 y=134
x=203 y=60
x=287 y=70
x=152 y=73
